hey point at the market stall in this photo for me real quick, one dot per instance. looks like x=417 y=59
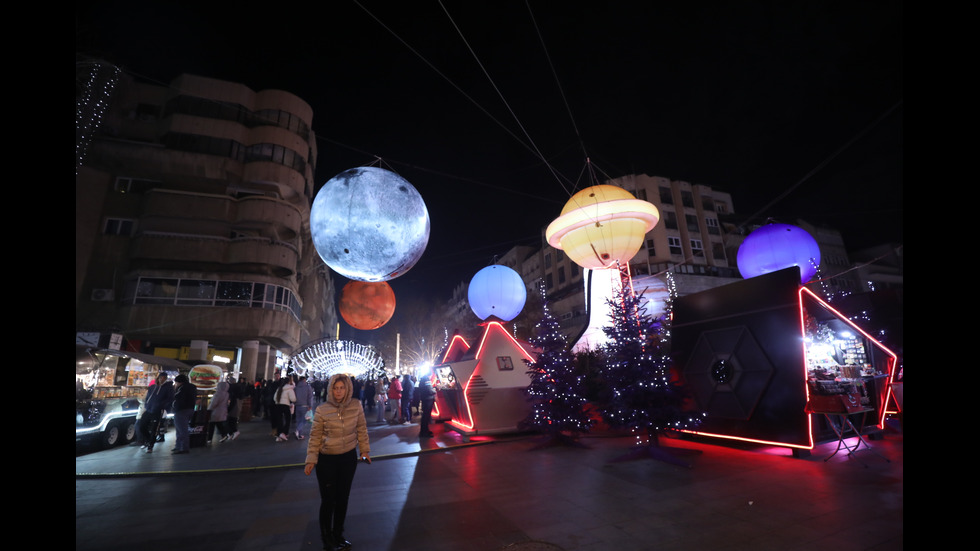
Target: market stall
x=482 y=388
x=756 y=353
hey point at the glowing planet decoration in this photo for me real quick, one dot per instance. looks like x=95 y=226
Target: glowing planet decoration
x=367 y=304
x=369 y=224
x=497 y=291
x=602 y=226
x=775 y=247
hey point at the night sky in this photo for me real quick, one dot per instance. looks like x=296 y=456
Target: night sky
x=492 y=109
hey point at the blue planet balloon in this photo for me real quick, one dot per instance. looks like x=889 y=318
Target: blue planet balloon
x=774 y=247
x=369 y=224
x=497 y=291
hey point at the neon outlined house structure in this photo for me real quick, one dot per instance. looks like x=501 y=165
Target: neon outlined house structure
x=742 y=351
x=483 y=386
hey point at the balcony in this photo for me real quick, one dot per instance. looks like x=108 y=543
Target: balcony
x=251 y=254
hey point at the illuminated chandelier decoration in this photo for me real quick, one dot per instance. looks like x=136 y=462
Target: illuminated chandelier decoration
x=324 y=358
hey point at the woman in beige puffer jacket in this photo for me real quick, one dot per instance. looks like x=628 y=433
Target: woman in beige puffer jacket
x=338 y=436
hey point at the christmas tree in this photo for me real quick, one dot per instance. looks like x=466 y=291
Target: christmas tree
x=556 y=391
x=641 y=397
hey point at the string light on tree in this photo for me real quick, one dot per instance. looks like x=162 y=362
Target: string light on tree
x=556 y=391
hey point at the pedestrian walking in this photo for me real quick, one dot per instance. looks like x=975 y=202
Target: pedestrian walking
x=285 y=404
x=381 y=397
x=394 y=399
x=219 y=412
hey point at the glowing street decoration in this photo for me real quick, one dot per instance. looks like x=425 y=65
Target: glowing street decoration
x=367 y=305
x=497 y=291
x=369 y=224
x=602 y=226
x=493 y=378
x=323 y=358
x=808 y=299
x=891 y=357
x=774 y=247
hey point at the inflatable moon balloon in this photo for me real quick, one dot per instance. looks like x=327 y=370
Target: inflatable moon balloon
x=369 y=224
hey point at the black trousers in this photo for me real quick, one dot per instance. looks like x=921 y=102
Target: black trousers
x=148 y=427
x=335 y=475
x=281 y=418
x=426 y=416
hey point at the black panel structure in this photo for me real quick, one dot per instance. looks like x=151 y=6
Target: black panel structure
x=739 y=349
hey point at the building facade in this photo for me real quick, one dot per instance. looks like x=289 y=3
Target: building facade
x=192 y=211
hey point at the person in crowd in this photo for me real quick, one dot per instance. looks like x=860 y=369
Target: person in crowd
x=285 y=400
x=394 y=399
x=219 y=412
x=304 y=404
x=408 y=390
x=357 y=387
x=257 y=398
x=338 y=436
x=185 y=399
x=317 y=390
x=158 y=399
x=381 y=397
x=236 y=400
x=416 y=397
x=269 y=400
x=427 y=397
x=367 y=395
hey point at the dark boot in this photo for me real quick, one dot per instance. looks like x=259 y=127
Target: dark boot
x=328 y=543
x=340 y=543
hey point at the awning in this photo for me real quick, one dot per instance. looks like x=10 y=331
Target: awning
x=168 y=364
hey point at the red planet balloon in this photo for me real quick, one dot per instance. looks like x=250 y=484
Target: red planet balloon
x=367 y=304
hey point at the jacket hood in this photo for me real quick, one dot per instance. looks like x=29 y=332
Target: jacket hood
x=347 y=395
x=222 y=388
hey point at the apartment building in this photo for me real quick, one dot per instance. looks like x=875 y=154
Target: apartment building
x=192 y=210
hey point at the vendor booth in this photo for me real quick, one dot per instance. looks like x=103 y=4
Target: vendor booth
x=482 y=388
x=766 y=360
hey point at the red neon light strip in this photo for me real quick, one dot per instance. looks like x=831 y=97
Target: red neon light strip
x=892 y=360
x=753 y=440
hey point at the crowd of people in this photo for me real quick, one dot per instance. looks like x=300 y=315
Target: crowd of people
x=287 y=404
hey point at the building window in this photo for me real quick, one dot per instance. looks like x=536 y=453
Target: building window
x=697 y=249
x=561 y=275
x=670 y=220
x=119 y=226
x=692 y=223
x=712 y=224
x=718 y=251
x=547 y=260
x=549 y=281
x=666 y=198
x=708 y=204
x=687 y=199
x=674 y=243
x=641 y=194
x=650 y=248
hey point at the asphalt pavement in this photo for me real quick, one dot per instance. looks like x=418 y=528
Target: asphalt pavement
x=488 y=493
